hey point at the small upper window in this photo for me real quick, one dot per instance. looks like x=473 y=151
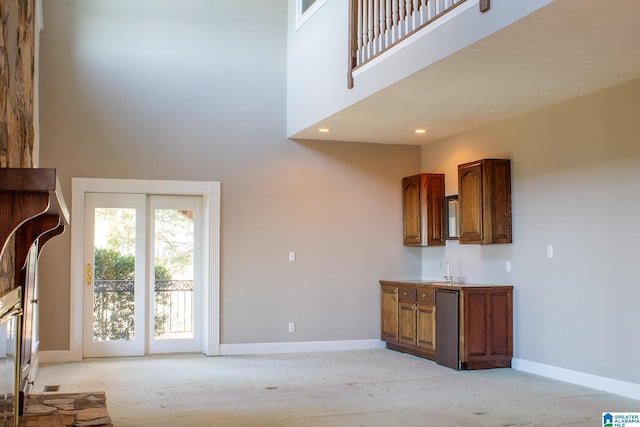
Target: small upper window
x=306 y=8
x=306 y=4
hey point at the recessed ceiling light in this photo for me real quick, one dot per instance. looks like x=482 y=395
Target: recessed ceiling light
x=324 y=130
x=420 y=131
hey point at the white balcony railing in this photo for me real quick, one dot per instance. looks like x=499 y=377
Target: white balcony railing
x=377 y=25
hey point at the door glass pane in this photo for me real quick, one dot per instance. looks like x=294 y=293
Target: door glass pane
x=174 y=274
x=114 y=274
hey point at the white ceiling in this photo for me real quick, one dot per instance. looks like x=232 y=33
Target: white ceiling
x=564 y=50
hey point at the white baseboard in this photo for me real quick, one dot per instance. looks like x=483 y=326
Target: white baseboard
x=54 y=356
x=609 y=385
x=299 y=347
x=63 y=356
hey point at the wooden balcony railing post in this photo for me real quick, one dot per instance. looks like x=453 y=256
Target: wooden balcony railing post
x=353 y=41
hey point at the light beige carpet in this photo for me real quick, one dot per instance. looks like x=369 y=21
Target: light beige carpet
x=349 y=388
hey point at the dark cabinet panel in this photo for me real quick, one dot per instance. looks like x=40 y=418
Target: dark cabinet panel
x=447 y=327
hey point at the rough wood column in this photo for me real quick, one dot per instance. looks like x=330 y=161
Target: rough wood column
x=17 y=50
x=16 y=82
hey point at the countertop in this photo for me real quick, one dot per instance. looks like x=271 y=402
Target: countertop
x=442 y=284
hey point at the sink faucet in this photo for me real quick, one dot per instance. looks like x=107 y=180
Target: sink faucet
x=448 y=278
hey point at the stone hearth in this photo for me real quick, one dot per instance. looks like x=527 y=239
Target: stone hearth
x=66 y=409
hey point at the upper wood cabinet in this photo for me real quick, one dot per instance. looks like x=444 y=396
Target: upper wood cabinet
x=484 y=199
x=423 y=210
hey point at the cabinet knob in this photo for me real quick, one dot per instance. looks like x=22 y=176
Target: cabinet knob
x=405 y=294
x=424 y=295
x=34 y=301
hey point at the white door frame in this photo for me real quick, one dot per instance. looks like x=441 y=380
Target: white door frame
x=209 y=190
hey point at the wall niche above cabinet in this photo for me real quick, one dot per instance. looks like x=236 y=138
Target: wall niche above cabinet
x=422 y=209
x=484 y=199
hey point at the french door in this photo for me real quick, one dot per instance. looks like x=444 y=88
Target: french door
x=142 y=284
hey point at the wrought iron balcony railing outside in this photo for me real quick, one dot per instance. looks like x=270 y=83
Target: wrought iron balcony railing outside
x=114 y=309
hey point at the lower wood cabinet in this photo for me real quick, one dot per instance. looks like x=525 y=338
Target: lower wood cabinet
x=484 y=327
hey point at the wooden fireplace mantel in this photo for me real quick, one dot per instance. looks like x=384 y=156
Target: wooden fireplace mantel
x=32 y=211
x=31 y=208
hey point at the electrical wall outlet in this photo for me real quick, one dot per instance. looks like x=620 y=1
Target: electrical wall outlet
x=549 y=251
x=292 y=256
x=508 y=266
x=292 y=327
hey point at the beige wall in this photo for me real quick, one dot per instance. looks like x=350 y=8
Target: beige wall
x=575 y=175
x=174 y=90
x=123 y=97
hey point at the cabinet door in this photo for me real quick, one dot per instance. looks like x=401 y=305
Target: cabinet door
x=412 y=225
x=499 y=184
x=433 y=210
x=488 y=334
x=426 y=327
x=389 y=315
x=423 y=209
x=476 y=334
x=500 y=324
x=470 y=199
x=485 y=201
x=407 y=324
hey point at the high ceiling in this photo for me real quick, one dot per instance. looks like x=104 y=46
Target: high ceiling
x=564 y=50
